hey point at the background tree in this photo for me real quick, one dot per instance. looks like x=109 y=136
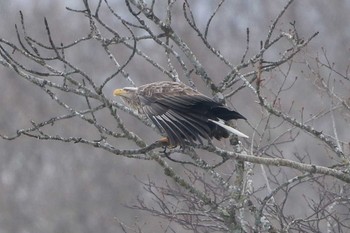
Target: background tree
x=266 y=60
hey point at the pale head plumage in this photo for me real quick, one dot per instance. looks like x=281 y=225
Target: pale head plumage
x=130 y=97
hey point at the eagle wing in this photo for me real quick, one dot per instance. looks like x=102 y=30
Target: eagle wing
x=183 y=113
x=181 y=117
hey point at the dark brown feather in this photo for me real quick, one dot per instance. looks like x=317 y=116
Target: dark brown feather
x=182 y=113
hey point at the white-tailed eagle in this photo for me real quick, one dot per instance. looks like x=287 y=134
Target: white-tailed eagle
x=181 y=112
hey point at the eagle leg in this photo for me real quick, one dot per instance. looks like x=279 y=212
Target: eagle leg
x=166 y=142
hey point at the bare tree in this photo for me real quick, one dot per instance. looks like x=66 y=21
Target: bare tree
x=263 y=184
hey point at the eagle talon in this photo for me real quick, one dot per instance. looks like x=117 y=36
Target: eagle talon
x=164 y=151
x=165 y=145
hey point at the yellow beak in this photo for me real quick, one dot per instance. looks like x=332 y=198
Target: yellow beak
x=119 y=92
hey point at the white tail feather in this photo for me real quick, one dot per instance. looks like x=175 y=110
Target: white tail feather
x=229 y=128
